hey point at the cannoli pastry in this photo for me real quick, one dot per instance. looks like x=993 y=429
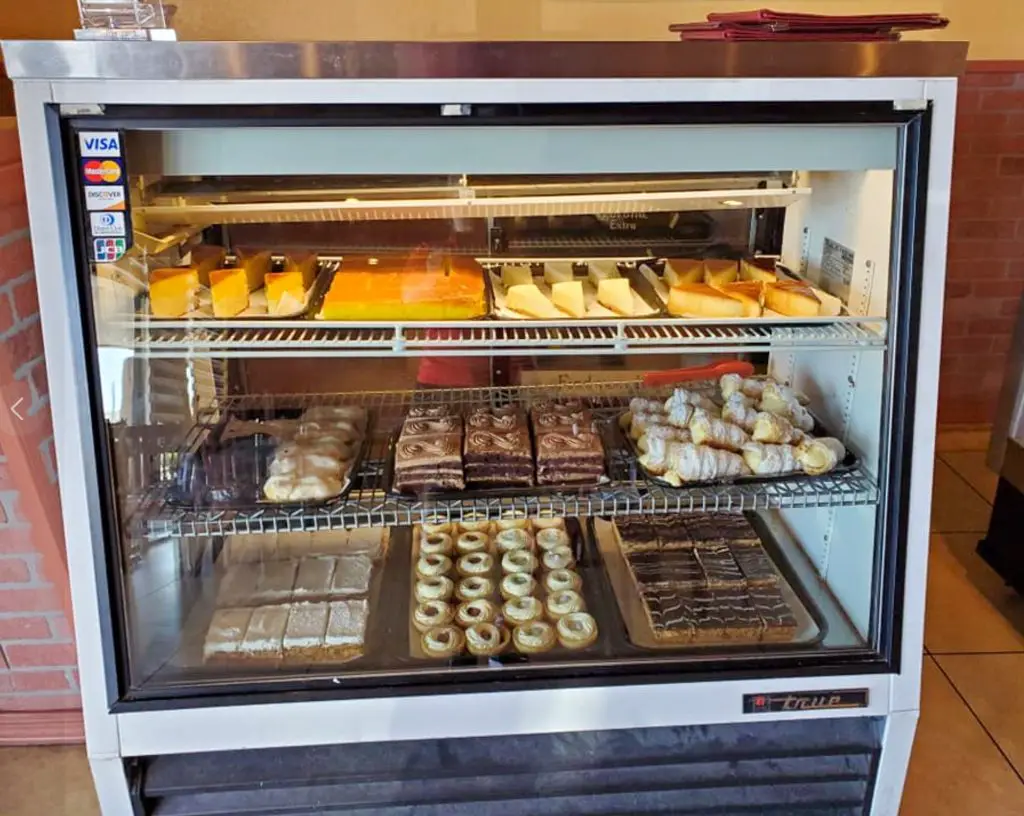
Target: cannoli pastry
x=748 y=386
x=640 y=422
x=669 y=433
x=739 y=410
x=782 y=400
x=680 y=415
x=776 y=429
x=679 y=462
x=686 y=396
x=642 y=405
x=717 y=433
x=770 y=460
x=819 y=456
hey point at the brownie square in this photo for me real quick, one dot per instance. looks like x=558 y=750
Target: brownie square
x=637 y=535
x=754 y=563
x=703 y=528
x=674 y=568
x=776 y=616
x=741 y=620
x=719 y=567
x=669 y=613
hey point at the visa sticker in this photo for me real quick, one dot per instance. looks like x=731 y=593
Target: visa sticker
x=106 y=250
x=106 y=224
x=104 y=198
x=92 y=144
x=107 y=171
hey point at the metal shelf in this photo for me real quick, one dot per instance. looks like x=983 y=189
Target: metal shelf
x=369 y=505
x=259 y=338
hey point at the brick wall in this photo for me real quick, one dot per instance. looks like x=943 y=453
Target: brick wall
x=38 y=672
x=985 y=274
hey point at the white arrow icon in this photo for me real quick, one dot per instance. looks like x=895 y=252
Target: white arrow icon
x=14 y=408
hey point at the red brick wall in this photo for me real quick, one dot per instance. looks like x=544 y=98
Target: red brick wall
x=37 y=654
x=985 y=274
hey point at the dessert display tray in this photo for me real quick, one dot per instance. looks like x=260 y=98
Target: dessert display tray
x=586 y=566
x=227 y=464
x=613 y=461
x=811 y=625
x=652 y=269
x=646 y=302
x=258 y=309
x=849 y=464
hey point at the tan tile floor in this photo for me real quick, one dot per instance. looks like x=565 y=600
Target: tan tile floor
x=969 y=754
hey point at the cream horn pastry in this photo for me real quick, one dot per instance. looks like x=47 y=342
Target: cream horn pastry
x=819 y=456
x=770 y=460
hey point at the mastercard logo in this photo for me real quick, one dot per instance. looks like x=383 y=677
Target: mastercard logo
x=102 y=172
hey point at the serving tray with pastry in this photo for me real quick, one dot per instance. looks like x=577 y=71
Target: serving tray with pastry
x=243 y=285
x=552 y=289
x=503 y=590
x=737 y=289
x=703 y=580
x=738 y=428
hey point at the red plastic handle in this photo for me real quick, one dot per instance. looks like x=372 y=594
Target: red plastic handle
x=708 y=372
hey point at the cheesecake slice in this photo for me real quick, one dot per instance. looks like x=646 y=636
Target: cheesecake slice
x=516 y=276
x=529 y=300
x=568 y=296
x=557 y=272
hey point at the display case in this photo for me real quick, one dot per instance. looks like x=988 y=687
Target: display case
x=466 y=400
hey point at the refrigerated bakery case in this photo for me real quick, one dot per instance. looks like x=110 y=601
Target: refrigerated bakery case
x=493 y=427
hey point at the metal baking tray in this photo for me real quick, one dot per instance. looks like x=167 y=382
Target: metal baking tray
x=226 y=467
x=812 y=627
x=606 y=429
x=652 y=270
x=257 y=300
x=628 y=268
x=587 y=566
x=338 y=261
x=640 y=473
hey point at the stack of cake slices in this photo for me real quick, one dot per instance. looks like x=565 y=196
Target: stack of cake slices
x=428 y=455
x=569 y=447
x=497 y=448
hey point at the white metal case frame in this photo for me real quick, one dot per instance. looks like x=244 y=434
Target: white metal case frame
x=112 y=736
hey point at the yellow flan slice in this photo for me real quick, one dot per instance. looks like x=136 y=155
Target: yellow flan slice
x=679 y=271
x=568 y=296
x=792 y=298
x=174 y=291
x=701 y=300
x=717 y=272
x=230 y=292
x=758 y=270
x=286 y=291
x=749 y=293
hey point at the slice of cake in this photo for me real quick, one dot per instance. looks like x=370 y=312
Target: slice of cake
x=226 y=632
x=173 y=291
x=255 y=264
x=702 y=300
x=568 y=296
x=557 y=272
x=204 y=258
x=305 y=263
x=749 y=293
x=758 y=269
x=313 y=579
x=679 y=271
x=286 y=292
x=569 y=456
x=264 y=637
x=617 y=295
x=351 y=575
x=429 y=463
x=498 y=449
x=599 y=271
x=527 y=299
x=717 y=271
x=792 y=298
x=230 y=292
x=516 y=275
x=303 y=640
x=346 y=630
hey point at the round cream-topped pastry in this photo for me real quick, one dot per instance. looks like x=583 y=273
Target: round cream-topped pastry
x=475 y=526
x=552 y=537
x=443 y=641
x=564 y=603
x=436 y=544
x=577 y=630
x=545 y=523
x=534 y=637
x=431 y=566
x=559 y=558
x=437 y=588
x=519 y=561
x=475 y=588
x=478 y=611
x=486 y=639
x=471 y=542
x=478 y=563
x=560 y=580
x=517 y=585
x=513 y=524
x=519 y=611
x=432 y=528
x=508 y=540
x=430 y=614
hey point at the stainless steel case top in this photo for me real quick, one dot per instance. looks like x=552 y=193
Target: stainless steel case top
x=39 y=59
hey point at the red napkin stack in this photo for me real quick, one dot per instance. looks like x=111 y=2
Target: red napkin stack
x=781 y=26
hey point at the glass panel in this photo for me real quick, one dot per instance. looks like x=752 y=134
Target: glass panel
x=417 y=420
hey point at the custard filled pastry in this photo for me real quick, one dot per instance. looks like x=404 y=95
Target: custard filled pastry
x=680 y=462
x=782 y=400
x=687 y=396
x=776 y=429
x=717 y=433
x=770 y=460
x=751 y=387
x=739 y=410
x=641 y=422
x=670 y=433
x=819 y=456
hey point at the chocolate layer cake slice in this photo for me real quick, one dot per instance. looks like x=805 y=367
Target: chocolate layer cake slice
x=429 y=463
x=497 y=448
x=502 y=420
x=430 y=410
x=665 y=568
x=431 y=426
x=779 y=623
x=569 y=456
